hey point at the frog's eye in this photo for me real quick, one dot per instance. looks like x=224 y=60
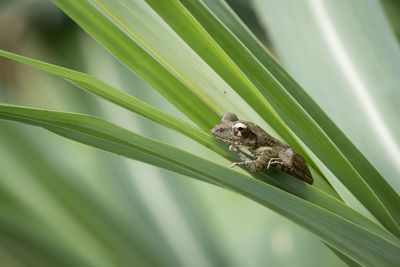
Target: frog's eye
x=239 y=129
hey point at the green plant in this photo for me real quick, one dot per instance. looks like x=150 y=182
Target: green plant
x=201 y=58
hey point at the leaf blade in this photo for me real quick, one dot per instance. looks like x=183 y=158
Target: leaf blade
x=98 y=87
x=104 y=90
x=291 y=112
x=352 y=240
x=369 y=173
x=138 y=60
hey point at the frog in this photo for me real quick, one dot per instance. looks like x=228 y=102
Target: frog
x=267 y=150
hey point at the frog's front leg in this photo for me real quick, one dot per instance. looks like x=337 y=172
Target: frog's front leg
x=240 y=153
x=253 y=165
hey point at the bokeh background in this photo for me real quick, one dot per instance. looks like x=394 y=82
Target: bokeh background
x=67 y=204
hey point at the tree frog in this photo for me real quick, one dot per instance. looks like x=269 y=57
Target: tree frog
x=267 y=150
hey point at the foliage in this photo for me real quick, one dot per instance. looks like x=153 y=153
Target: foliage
x=204 y=61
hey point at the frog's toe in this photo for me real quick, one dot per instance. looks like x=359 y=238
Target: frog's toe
x=233 y=164
x=233 y=148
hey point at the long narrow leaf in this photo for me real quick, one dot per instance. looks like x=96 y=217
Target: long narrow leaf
x=287 y=183
x=202 y=44
x=100 y=88
x=368 y=172
x=137 y=59
x=93 y=214
x=282 y=102
x=356 y=242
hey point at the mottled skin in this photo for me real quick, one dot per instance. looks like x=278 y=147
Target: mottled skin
x=267 y=150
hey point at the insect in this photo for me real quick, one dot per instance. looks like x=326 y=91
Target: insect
x=267 y=150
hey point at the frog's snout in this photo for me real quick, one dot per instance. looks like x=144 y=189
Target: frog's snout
x=216 y=130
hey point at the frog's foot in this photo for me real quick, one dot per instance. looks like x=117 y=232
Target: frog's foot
x=233 y=164
x=233 y=148
x=241 y=155
x=274 y=161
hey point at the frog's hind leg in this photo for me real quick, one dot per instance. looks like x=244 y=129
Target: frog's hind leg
x=295 y=165
x=233 y=164
x=273 y=161
x=253 y=165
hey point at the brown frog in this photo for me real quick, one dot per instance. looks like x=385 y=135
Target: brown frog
x=267 y=150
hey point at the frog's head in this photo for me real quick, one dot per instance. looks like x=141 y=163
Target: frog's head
x=235 y=131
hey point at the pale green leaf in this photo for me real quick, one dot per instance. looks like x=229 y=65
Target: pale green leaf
x=354 y=241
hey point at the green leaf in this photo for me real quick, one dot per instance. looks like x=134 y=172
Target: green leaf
x=13 y=229
x=96 y=86
x=338 y=166
x=245 y=73
x=202 y=44
x=137 y=59
x=376 y=182
x=93 y=214
x=138 y=9
x=191 y=57
x=195 y=85
x=100 y=88
x=287 y=183
x=354 y=241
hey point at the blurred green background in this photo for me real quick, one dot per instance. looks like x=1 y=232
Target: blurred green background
x=66 y=204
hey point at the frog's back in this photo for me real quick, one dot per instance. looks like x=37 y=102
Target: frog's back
x=264 y=138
